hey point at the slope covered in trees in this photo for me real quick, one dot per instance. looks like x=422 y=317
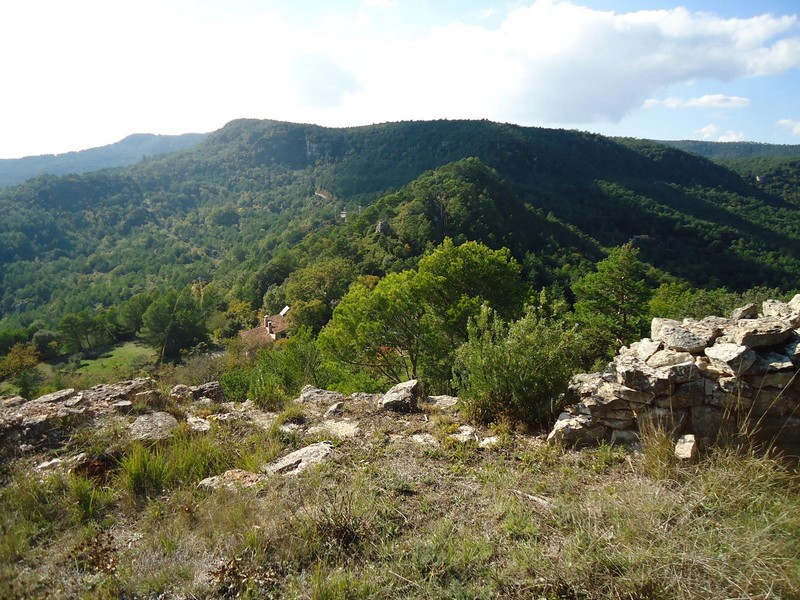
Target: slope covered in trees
x=128 y=151
x=264 y=213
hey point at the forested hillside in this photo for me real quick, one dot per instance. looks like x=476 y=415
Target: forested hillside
x=130 y=150
x=264 y=213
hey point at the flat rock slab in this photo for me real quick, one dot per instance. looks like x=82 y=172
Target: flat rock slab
x=300 y=460
x=759 y=333
x=311 y=395
x=234 y=479
x=340 y=429
x=442 y=401
x=153 y=426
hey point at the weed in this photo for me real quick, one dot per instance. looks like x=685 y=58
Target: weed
x=89 y=500
x=144 y=471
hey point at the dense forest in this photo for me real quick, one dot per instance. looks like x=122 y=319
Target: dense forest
x=189 y=248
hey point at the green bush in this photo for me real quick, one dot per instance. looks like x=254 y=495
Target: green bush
x=517 y=371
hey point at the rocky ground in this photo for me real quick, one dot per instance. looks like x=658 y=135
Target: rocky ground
x=131 y=491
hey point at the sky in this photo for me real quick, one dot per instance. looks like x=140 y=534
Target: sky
x=84 y=73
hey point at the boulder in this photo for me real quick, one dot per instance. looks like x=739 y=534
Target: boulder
x=402 y=397
x=300 y=460
x=153 y=426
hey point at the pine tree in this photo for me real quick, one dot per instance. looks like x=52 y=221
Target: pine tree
x=612 y=303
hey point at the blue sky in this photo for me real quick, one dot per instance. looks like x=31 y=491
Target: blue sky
x=85 y=73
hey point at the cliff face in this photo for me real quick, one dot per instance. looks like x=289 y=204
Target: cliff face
x=714 y=378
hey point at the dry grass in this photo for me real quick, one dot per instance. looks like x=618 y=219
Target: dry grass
x=388 y=517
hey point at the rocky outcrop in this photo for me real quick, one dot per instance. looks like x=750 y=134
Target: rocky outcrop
x=709 y=378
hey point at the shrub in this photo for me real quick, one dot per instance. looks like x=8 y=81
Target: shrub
x=517 y=371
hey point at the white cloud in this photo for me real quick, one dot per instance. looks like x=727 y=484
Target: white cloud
x=110 y=68
x=707 y=101
x=719 y=101
x=731 y=136
x=709 y=131
x=793 y=126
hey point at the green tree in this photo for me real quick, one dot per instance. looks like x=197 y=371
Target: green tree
x=459 y=279
x=20 y=366
x=381 y=328
x=173 y=322
x=612 y=302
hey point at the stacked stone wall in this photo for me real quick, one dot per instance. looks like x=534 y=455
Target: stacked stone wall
x=713 y=378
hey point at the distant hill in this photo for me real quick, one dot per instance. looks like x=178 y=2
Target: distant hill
x=735 y=150
x=258 y=200
x=120 y=154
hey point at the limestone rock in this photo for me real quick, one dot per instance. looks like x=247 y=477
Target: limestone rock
x=645 y=348
x=311 y=395
x=233 y=479
x=300 y=460
x=672 y=421
x=56 y=397
x=781 y=310
x=711 y=422
x=211 y=390
x=424 y=439
x=198 y=423
x=748 y=311
x=153 y=426
x=336 y=408
x=680 y=339
x=686 y=447
x=402 y=397
x=575 y=430
x=685 y=395
x=657 y=324
x=340 y=429
x=489 y=442
x=465 y=433
x=731 y=358
x=667 y=358
x=760 y=333
x=181 y=394
x=442 y=402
